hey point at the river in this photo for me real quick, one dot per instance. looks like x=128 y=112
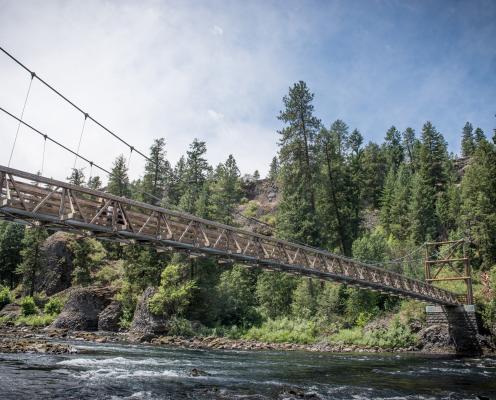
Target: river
x=104 y=371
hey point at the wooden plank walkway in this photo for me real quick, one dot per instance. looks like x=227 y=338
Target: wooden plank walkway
x=26 y=197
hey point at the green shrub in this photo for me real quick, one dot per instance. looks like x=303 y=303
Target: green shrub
x=28 y=306
x=5 y=297
x=251 y=209
x=54 y=306
x=284 y=330
x=180 y=327
x=35 y=320
x=5 y=320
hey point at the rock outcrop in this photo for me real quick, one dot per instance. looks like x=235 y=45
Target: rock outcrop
x=55 y=273
x=108 y=319
x=83 y=307
x=144 y=321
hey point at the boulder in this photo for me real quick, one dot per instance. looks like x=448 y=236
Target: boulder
x=83 y=307
x=11 y=311
x=436 y=338
x=108 y=319
x=144 y=321
x=55 y=273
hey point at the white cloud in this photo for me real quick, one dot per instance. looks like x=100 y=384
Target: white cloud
x=216 y=116
x=217 y=30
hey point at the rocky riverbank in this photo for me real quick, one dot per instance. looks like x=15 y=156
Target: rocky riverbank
x=44 y=340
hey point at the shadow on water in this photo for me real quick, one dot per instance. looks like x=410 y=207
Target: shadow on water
x=135 y=372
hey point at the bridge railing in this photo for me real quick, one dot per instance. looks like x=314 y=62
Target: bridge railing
x=64 y=206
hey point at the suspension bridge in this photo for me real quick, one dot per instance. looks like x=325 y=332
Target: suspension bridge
x=37 y=200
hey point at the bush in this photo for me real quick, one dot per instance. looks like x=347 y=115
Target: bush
x=5 y=297
x=54 y=306
x=28 y=306
x=180 y=327
x=251 y=209
x=35 y=320
x=284 y=330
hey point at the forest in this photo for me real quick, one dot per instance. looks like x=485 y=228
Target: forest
x=376 y=202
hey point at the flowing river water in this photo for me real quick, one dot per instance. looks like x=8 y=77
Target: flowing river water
x=104 y=371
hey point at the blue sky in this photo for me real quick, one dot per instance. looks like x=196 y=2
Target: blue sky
x=218 y=71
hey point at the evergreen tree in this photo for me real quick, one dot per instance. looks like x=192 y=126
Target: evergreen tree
x=31 y=243
x=393 y=148
x=399 y=223
x=412 y=148
x=87 y=257
x=297 y=211
x=468 y=143
x=356 y=141
x=195 y=175
x=226 y=191
x=157 y=175
x=94 y=183
x=178 y=184
x=479 y=136
x=433 y=158
x=422 y=210
x=11 y=237
x=479 y=202
x=274 y=169
x=76 y=177
x=305 y=299
x=256 y=175
x=387 y=200
x=118 y=183
x=374 y=166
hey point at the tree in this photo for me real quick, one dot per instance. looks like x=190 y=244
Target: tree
x=373 y=164
x=468 y=143
x=274 y=169
x=422 y=210
x=173 y=294
x=32 y=241
x=226 y=191
x=479 y=202
x=412 y=147
x=11 y=237
x=195 y=175
x=156 y=179
x=433 y=157
x=399 y=223
x=236 y=293
x=479 y=136
x=356 y=141
x=297 y=212
x=305 y=295
x=94 y=183
x=76 y=177
x=87 y=257
x=274 y=293
x=118 y=183
x=387 y=200
x=393 y=149
x=256 y=175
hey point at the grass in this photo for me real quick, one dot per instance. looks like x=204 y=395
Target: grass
x=35 y=320
x=284 y=330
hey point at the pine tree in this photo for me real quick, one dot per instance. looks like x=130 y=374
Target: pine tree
x=399 y=219
x=195 y=175
x=433 y=157
x=479 y=202
x=274 y=293
x=374 y=173
x=297 y=211
x=468 y=143
x=422 y=210
x=387 y=200
x=274 y=169
x=76 y=177
x=356 y=141
x=157 y=175
x=226 y=191
x=393 y=148
x=118 y=183
x=479 y=136
x=32 y=241
x=412 y=148
x=94 y=183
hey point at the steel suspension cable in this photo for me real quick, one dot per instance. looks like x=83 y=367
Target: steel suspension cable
x=80 y=139
x=22 y=115
x=33 y=75
x=43 y=155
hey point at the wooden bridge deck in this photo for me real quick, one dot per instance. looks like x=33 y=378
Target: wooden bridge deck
x=26 y=197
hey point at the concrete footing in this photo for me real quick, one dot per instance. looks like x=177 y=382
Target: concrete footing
x=463 y=324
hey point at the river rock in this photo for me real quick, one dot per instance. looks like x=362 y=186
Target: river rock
x=82 y=308
x=108 y=319
x=55 y=268
x=144 y=321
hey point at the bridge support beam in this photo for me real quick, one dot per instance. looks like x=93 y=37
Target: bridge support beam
x=461 y=324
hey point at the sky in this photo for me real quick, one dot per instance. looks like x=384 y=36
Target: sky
x=217 y=71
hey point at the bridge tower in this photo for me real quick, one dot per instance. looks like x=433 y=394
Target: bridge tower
x=453 y=265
